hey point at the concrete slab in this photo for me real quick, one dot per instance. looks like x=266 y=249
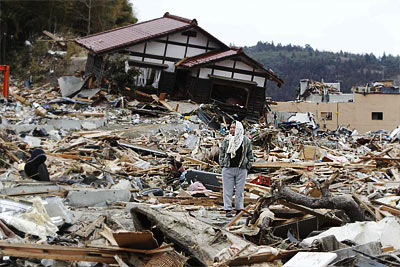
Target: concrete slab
x=76 y=124
x=26 y=127
x=32 y=188
x=91 y=198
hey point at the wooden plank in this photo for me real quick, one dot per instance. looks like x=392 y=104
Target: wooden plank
x=152 y=169
x=393 y=211
x=68 y=156
x=79 y=114
x=55 y=38
x=58 y=252
x=162 y=249
x=107 y=234
x=242 y=212
x=196 y=161
x=280 y=164
x=311 y=211
x=168 y=106
x=360 y=202
x=88 y=229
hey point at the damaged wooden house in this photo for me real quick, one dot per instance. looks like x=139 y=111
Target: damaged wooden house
x=177 y=57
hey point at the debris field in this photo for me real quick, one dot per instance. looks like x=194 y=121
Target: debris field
x=135 y=181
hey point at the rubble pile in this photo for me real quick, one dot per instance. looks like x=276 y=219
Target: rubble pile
x=315 y=87
x=135 y=181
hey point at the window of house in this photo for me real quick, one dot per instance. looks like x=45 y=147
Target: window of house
x=148 y=76
x=377 y=116
x=326 y=115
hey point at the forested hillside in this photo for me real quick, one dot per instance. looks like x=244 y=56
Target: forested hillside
x=293 y=63
x=25 y=20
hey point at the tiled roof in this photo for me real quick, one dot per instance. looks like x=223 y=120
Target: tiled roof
x=127 y=35
x=220 y=55
x=209 y=57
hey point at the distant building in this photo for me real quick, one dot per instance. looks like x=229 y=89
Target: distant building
x=313 y=91
x=372 y=107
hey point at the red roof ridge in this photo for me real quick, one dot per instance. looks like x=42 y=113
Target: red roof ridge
x=190 y=21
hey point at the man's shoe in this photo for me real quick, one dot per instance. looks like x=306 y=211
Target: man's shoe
x=229 y=214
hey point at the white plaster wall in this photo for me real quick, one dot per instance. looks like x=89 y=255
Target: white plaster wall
x=175 y=51
x=194 y=51
x=259 y=80
x=225 y=63
x=178 y=37
x=243 y=66
x=200 y=39
x=135 y=58
x=155 y=48
x=204 y=73
x=223 y=73
x=137 y=48
x=242 y=76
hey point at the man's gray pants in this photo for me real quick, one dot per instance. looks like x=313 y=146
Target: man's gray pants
x=233 y=177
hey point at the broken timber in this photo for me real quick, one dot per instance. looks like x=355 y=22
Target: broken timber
x=345 y=203
x=191 y=235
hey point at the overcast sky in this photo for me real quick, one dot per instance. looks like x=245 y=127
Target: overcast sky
x=357 y=26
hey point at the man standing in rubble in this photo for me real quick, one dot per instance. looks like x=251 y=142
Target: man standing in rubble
x=235 y=158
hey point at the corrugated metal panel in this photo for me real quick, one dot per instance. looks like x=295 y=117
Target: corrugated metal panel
x=134 y=33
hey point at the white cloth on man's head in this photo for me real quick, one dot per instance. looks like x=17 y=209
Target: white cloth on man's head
x=236 y=140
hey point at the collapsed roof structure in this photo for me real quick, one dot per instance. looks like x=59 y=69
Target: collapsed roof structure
x=177 y=57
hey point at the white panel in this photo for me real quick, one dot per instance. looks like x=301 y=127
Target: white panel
x=223 y=73
x=259 y=81
x=153 y=60
x=242 y=76
x=178 y=37
x=175 y=51
x=225 y=63
x=135 y=58
x=155 y=48
x=194 y=52
x=171 y=66
x=243 y=66
x=204 y=73
x=200 y=39
x=137 y=48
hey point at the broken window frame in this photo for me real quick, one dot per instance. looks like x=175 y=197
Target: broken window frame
x=149 y=73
